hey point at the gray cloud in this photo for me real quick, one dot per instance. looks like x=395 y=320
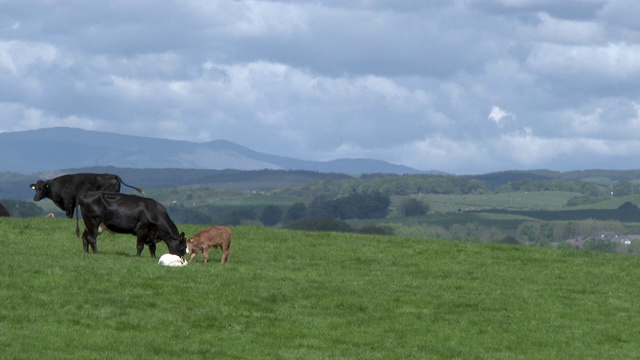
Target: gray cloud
x=460 y=86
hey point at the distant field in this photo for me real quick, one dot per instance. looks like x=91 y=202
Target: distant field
x=205 y=195
x=507 y=222
x=301 y=295
x=544 y=200
x=612 y=203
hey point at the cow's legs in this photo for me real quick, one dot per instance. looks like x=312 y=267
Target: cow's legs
x=145 y=238
x=69 y=207
x=152 y=249
x=94 y=246
x=85 y=243
x=87 y=240
x=139 y=246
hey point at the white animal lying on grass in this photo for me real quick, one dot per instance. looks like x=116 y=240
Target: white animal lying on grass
x=172 y=260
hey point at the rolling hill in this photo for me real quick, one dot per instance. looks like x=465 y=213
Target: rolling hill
x=34 y=151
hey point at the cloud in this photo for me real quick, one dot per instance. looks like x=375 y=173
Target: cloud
x=22 y=119
x=611 y=62
x=498 y=116
x=554 y=30
x=384 y=79
x=529 y=151
x=18 y=58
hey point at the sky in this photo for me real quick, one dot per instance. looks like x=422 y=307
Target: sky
x=460 y=86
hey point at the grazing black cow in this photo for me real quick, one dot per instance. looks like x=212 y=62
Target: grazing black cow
x=64 y=190
x=4 y=211
x=128 y=214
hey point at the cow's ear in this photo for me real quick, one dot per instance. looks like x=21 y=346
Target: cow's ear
x=191 y=240
x=32 y=186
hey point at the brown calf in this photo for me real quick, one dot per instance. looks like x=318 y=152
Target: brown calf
x=212 y=237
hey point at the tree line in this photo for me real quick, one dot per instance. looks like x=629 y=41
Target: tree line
x=354 y=206
x=391 y=185
x=455 y=185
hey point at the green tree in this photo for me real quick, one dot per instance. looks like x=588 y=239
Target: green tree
x=271 y=215
x=373 y=205
x=529 y=232
x=634 y=247
x=22 y=208
x=511 y=240
x=319 y=207
x=355 y=206
x=237 y=216
x=546 y=234
x=197 y=216
x=413 y=207
x=602 y=245
x=622 y=188
x=564 y=230
x=295 y=212
x=565 y=245
x=320 y=224
x=628 y=205
x=376 y=230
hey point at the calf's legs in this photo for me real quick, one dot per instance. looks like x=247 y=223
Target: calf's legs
x=205 y=254
x=225 y=252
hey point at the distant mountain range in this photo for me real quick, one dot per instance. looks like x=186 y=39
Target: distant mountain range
x=35 y=151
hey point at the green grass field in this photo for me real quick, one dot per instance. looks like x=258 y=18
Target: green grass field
x=300 y=295
x=535 y=200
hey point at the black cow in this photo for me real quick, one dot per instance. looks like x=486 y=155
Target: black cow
x=4 y=211
x=65 y=189
x=128 y=214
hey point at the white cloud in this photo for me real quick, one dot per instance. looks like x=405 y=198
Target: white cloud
x=498 y=115
x=531 y=151
x=15 y=117
x=554 y=30
x=589 y=124
x=613 y=61
x=17 y=57
x=635 y=120
x=445 y=154
x=251 y=18
x=621 y=13
x=384 y=79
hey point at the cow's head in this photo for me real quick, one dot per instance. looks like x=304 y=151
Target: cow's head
x=178 y=247
x=42 y=190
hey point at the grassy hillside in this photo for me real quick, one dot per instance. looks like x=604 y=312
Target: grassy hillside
x=287 y=294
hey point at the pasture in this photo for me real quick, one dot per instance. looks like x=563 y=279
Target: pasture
x=538 y=200
x=302 y=295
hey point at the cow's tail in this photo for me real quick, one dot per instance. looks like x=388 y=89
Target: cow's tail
x=77 y=222
x=127 y=185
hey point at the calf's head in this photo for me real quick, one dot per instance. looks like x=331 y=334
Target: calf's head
x=189 y=245
x=42 y=190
